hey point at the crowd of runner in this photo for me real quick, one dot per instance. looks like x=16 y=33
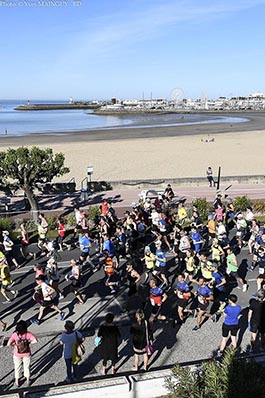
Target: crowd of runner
x=161 y=251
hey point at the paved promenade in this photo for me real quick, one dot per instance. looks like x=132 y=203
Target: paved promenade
x=122 y=198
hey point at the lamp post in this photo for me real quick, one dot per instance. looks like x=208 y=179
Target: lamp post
x=90 y=170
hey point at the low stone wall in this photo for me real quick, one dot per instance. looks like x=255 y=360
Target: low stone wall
x=144 y=385
x=185 y=181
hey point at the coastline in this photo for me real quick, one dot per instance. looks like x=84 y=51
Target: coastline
x=157 y=152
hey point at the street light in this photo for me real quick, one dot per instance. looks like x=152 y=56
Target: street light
x=90 y=170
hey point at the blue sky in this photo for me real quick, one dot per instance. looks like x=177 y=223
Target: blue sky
x=98 y=49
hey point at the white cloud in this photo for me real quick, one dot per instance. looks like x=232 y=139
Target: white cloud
x=106 y=34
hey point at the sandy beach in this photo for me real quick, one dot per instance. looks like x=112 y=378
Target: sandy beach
x=158 y=152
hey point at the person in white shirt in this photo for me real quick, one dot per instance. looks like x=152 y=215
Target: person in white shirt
x=220 y=230
x=49 y=299
x=69 y=338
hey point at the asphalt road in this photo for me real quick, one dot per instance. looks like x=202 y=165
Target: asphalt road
x=172 y=344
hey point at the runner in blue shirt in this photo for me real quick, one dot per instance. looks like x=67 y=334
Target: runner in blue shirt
x=219 y=291
x=157 y=297
x=196 y=239
x=204 y=295
x=108 y=246
x=85 y=245
x=183 y=294
x=161 y=262
x=231 y=323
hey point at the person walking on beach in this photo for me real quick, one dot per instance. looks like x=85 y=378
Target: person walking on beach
x=209 y=174
x=20 y=341
x=70 y=337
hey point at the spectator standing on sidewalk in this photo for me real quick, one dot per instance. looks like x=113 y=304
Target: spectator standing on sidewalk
x=69 y=338
x=20 y=340
x=110 y=335
x=141 y=336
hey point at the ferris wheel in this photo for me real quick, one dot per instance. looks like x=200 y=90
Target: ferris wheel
x=176 y=95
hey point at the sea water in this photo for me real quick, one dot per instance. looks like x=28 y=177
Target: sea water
x=19 y=123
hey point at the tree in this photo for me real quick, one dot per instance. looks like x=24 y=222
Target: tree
x=230 y=377
x=26 y=167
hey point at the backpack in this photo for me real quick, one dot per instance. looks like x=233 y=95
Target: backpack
x=22 y=345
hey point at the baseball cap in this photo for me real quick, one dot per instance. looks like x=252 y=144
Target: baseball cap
x=147 y=248
x=6 y=232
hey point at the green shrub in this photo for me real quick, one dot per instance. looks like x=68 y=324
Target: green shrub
x=6 y=224
x=16 y=223
x=204 y=208
x=52 y=222
x=93 y=212
x=260 y=219
x=241 y=203
x=70 y=220
x=31 y=225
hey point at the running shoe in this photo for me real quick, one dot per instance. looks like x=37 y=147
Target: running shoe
x=15 y=294
x=245 y=288
x=196 y=328
x=6 y=302
x=214 y=317
x=35 y=321
x=62 y=316
x=4 y=326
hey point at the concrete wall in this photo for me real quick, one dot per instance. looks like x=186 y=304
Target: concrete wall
x=187 y=181
x=144 y=385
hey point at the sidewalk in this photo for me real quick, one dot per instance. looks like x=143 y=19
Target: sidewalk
x=122 y=199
